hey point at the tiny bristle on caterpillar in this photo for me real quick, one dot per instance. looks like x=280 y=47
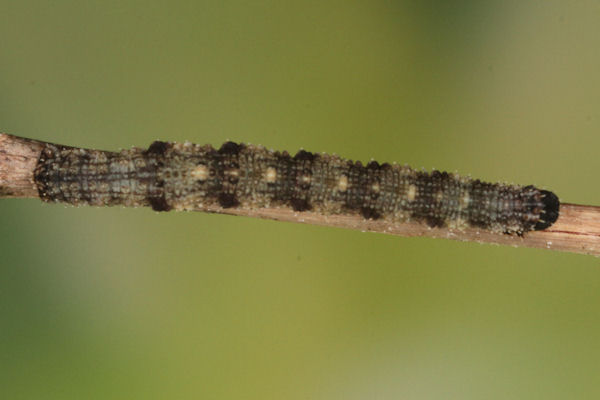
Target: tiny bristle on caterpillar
x=184 y=176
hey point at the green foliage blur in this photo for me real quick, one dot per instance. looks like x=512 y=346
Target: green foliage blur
x=121 y=303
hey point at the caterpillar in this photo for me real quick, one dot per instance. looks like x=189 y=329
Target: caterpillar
x=185 y=176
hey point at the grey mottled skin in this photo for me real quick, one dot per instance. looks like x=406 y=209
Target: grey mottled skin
x=185 y=176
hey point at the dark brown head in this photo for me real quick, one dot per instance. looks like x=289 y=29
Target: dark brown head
x=549 y=213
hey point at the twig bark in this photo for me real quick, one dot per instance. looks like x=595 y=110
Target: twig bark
x=18 y=158
x=577 y=229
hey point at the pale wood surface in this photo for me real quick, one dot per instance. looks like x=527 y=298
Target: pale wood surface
x=577 y=229
x=18 y=158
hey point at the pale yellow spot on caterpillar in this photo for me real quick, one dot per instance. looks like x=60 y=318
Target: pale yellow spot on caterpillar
x=412 y=193
x=271 y=175
x=200 y=172
x=464 y=200
x=375 y=188
x=342 y=185
x=100 y=157
x=305 y=178
x=139 y=163
x=439 y=196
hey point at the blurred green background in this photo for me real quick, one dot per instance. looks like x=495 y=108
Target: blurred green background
x=129 y=303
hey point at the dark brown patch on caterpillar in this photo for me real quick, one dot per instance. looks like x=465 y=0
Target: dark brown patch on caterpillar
x=230 y=148
x=303 y=155
x=549 y=213
x=300 y=205
x=434 y=222
x=228 y=200
x=373 y=165
x=158 y=147
x=369 y=213
x=159 y=204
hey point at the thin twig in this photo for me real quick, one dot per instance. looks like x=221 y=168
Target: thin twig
x=577 y=229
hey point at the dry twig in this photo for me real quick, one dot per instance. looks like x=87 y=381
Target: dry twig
x=577 y=229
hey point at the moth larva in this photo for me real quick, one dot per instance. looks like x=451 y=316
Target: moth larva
x=184 y=176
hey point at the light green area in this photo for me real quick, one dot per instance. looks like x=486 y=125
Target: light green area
x=127 y=303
